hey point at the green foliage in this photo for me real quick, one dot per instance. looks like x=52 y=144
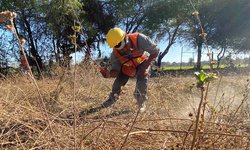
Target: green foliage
x=61 y=13
x=225 y=21
x=50 y=21
x=129 y=14
x=169 y=15
x=176 y=67
x=203 y=77
x=76 y=28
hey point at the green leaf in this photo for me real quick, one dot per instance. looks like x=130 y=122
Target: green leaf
x=202 y=76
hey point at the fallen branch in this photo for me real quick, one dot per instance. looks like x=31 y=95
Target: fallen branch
x=191 y=131
x=139 y=132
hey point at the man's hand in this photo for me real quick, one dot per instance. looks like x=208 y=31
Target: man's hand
x=105 y=73
x=144 y=68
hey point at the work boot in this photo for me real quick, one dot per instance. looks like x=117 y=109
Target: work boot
x=110 y=101
x=141 y=103
x=142 y=107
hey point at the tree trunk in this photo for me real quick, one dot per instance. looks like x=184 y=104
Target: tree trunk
x=170 y=43
x=199 y=50
x=220 y=56
x=159 y=60
x=33 y=49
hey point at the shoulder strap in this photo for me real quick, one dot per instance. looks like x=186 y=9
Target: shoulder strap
x=133 y=37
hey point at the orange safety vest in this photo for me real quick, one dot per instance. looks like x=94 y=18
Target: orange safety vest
x=133 y=60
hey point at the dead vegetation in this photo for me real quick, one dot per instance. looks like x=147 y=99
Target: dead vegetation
x=168 y=122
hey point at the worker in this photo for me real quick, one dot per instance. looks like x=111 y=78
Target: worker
x=131 y=57
x=24 y=64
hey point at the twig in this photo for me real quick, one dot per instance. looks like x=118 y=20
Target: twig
x=14 y=31
x=103 y=127
x=133 y=123
x=242 y=101
x=195 y=133
x=20 y=141
x=192 y=131
x=139 y=132
x=185 y=138
x=91 y=132
x=74 y=91
x=248 y=144
x=39 y=69
x=55 y=119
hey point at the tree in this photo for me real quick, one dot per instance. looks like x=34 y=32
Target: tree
x=26 y=23
x=226 y=25
x=141 y=15
x=167 y=26
x=47 y=26
x=198 y=29
x=92 y=16
x=60 y=16
x=99 y=18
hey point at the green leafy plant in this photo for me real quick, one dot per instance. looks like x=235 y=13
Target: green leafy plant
x=203 y=77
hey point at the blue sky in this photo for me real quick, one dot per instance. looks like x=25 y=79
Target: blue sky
x=174 y=54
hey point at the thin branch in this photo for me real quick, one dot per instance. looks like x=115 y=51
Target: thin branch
x=133 y=123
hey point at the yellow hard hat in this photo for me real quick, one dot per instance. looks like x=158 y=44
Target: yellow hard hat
x=115 y=36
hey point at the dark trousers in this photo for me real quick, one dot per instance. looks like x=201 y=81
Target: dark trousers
x=140 y=92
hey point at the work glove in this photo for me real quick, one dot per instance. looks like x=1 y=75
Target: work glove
x=105 y=73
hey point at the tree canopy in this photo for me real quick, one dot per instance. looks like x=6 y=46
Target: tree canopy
x=47 y=25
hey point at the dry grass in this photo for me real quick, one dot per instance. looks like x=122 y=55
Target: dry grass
x=167 y=122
